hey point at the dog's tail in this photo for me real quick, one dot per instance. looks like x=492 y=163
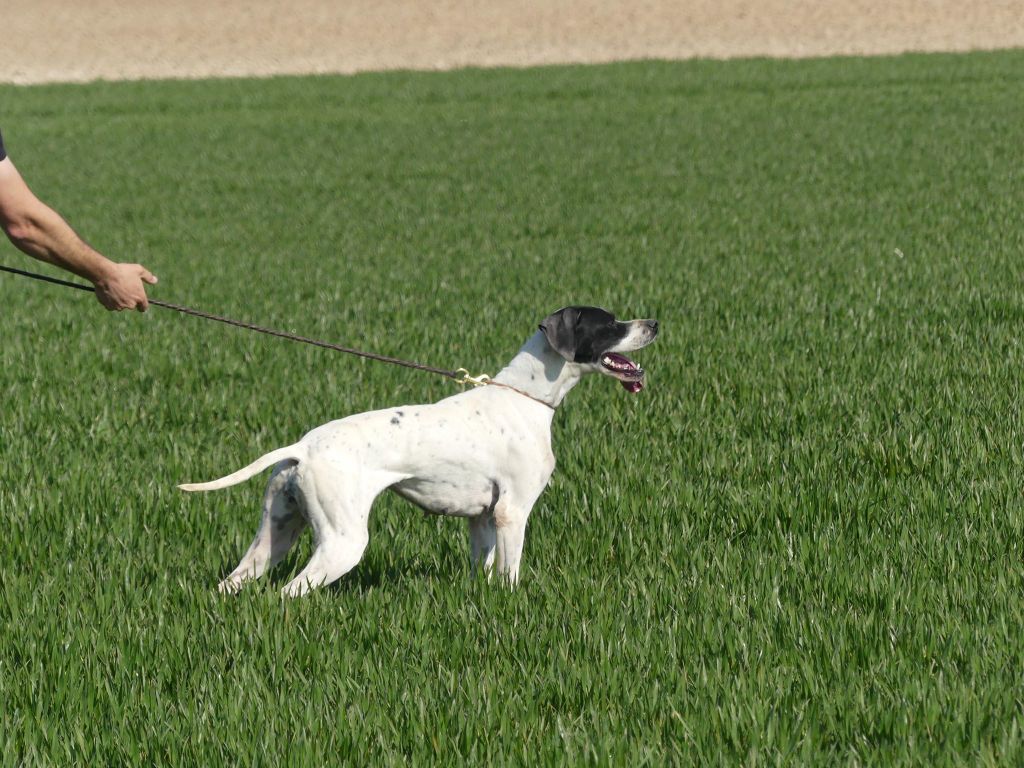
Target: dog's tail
x=291 y=452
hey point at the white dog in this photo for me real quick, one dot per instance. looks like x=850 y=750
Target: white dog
x=484 y=454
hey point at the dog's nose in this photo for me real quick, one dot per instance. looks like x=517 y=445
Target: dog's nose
x=653 y=325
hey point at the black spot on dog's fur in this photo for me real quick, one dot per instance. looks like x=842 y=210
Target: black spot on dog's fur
x=395 y=420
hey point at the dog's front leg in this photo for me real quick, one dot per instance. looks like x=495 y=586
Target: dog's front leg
x=482 y=536
x=510 y=536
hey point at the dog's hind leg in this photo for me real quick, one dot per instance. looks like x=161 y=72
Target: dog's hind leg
x=332 y=559
x=338 y=506
x=280 y=526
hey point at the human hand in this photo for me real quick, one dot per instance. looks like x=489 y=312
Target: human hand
x=122 y=287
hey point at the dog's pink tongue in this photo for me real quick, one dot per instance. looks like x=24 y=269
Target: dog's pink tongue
x=632 y=386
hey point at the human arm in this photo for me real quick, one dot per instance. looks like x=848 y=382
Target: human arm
x=39 y=231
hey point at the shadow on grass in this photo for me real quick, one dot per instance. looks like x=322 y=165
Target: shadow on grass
x=370 y=573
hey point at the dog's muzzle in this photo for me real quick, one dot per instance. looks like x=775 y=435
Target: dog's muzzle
x=629 y=374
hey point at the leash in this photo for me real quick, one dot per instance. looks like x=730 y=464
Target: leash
x=460 y=375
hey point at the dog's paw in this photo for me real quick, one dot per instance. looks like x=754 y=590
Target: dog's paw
x=230 y=586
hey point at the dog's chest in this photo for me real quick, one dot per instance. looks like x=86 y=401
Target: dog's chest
x=453 y=494
x=460 y=456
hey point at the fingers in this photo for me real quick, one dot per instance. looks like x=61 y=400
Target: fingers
x=117 y=302
x=125 y=288
x=142 y=303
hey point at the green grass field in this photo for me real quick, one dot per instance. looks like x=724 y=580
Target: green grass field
x=800 y=544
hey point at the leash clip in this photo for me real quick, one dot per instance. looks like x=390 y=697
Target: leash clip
x=477 y=381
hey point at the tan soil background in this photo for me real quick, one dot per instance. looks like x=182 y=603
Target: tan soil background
x=76 y=40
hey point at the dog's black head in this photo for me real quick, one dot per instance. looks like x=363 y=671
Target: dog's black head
x=592 y=337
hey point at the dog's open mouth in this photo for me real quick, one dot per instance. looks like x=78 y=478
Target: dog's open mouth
x=629 y=374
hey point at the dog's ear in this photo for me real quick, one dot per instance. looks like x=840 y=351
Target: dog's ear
x=560 y=330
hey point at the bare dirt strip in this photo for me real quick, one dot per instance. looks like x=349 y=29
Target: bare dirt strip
x=77 y=40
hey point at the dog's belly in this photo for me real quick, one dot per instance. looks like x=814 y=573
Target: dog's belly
x=459 y=496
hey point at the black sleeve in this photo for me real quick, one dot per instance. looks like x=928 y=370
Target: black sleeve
x=2 y=153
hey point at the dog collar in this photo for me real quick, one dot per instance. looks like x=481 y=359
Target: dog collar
x=494 y=383
x=482 y=380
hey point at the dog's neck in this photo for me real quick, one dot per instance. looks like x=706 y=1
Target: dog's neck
x=540 y=372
